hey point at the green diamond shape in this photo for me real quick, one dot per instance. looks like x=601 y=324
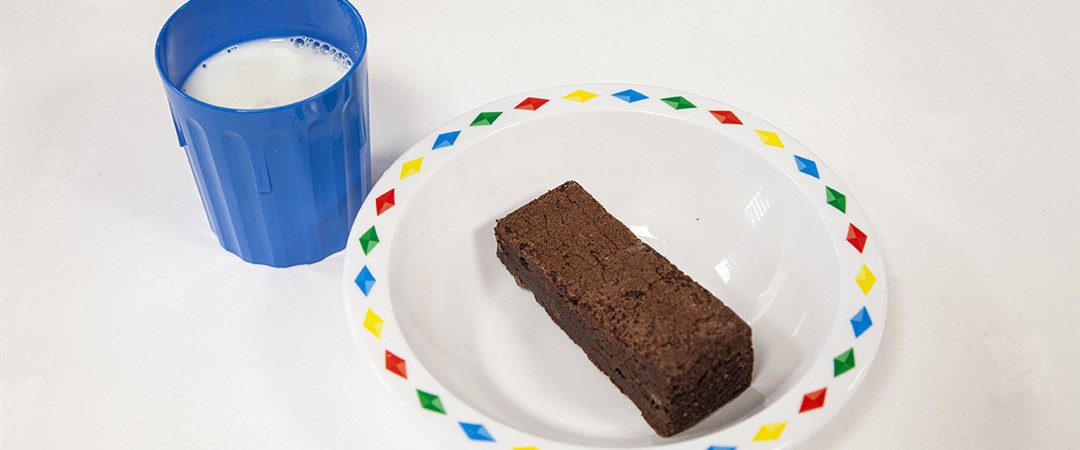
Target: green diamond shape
x=485 y=118
x=844 y=362
x=369 y=240
x=836 y=199
x=678 y=102
x=430 y=402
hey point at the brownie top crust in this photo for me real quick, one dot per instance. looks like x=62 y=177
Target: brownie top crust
x=617 y=283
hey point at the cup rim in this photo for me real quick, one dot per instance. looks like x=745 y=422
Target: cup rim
x=159 y=59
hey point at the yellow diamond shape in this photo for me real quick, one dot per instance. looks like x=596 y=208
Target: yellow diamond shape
x=770 y=432
x=865 y=279
x=769 y=138
x=373 y=323
x=580 y=96
x=411 y=168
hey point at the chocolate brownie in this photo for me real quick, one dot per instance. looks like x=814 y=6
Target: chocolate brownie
x=672 y=347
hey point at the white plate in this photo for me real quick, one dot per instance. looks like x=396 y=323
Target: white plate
x=738 y=205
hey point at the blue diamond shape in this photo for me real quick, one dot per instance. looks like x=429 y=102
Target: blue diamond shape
x=446 y=139
x=630 y=96
x=861 y=322
x=717 y=447
x=365 y=280
x=806 y=166
x=476 y=432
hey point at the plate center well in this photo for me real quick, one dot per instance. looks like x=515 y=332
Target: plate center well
x=715 y=207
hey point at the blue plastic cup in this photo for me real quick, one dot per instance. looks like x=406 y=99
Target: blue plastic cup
x=281 y=186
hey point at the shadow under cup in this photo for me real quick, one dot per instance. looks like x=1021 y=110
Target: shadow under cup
x=281 y=186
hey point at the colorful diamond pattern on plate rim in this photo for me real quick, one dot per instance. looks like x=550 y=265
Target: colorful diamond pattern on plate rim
x=531 y=103
x=396 y=365
x=446 y=139
x=580 y=96
x=769 y=138
x=726 y=117
x=813 y=400
x=865 y=279
x=678 y=103
x=485 y=118
x=373 y=323
x=369 y=240
x=835 y=199
x=430 y=402
x=384 y=202
x=630 y=96
x=856 y=237
x=411 y=167
x=844 y=362
x=365 y=280
x=476 y=432
x=861 y=322
x=807 y=166
x=770 y=432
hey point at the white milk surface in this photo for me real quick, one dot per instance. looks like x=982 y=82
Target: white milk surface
x=265 y=73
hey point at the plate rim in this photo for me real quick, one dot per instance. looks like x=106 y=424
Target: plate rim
x=476 y=427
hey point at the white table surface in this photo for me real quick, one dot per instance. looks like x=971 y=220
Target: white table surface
x=123 y=324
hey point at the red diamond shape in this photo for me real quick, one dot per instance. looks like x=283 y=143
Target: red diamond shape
x=727 y=117
x=384 y=202
x=531 y=104
x=396 y=365
x=856 y=237
x=813 y=400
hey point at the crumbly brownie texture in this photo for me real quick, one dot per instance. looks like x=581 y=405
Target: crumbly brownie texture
x=672 y=347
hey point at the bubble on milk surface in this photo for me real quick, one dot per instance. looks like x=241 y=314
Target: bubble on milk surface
x=340 y=58
x=230 y=82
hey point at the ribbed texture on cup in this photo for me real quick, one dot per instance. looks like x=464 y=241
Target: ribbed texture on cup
x=282 y=187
